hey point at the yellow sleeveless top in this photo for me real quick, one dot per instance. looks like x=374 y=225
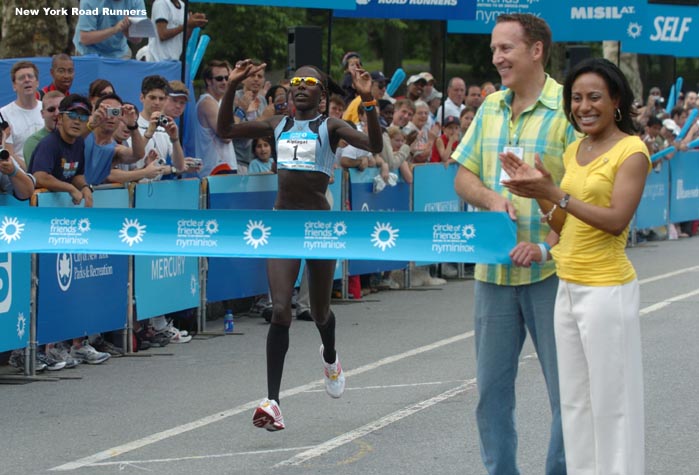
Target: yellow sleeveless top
x=586 y=255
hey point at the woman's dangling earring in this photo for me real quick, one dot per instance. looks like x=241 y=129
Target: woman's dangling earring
x=617 y=115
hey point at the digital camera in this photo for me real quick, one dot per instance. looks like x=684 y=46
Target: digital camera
x=162 y=121
x=113 y=111
x=4 y=154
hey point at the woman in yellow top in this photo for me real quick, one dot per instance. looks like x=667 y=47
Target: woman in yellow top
x=596 y=316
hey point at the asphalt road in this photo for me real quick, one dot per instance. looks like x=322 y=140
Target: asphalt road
x=408 y=408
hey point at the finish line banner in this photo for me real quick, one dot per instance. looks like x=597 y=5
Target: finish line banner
x=444 y=237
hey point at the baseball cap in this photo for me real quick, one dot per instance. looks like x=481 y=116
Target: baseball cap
x=378 y=76
x=426 y=76
x=450 y=120
x=415 y=78
x=75 y=102
x=670 y=125
x=177 y=89
x=222 y=169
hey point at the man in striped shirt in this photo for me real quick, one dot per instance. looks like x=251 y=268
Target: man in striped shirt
x=526 y=119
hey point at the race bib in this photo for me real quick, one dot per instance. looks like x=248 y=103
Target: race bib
x=297 y=150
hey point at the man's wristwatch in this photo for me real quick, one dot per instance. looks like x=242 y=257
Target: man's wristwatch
x=563 y=203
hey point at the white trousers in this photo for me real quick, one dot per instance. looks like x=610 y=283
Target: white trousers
x=598 y=340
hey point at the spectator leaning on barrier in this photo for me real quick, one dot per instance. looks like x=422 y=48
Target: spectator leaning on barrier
x=527 y=119
x=49 y=112
x=212 y=149
x=106 y=34
x=62 y=73
x=454 y=104
x=24 y=113
x=101 y=150
x=58 y=162
x=168 y=17
x=159 y=130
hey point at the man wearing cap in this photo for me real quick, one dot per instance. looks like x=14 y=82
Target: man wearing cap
x=416 y=84
x=378 y=88
x=211 y=148
x=456 y=90
x=58 y=162
x=429 y=94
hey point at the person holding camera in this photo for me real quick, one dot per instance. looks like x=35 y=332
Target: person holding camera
x=209 y=146
x=159 y=130
x=13 y=180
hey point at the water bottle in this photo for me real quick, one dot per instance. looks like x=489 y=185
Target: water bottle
x=228 y=324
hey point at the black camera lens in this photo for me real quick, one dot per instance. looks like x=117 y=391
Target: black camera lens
x=4 y=154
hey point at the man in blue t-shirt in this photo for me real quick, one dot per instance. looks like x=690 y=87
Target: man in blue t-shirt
x=103 y=29
x=58 y=161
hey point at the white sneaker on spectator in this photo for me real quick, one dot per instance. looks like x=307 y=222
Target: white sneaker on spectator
x=175 y=335
x=59 y=353
x=87 y=354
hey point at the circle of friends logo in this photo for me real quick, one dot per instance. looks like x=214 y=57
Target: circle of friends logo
x=324 y=235
x=21 y=325
x=257 y=234
x=196 y=233
x=10 y=229
x=453 y=238
x=69 y=231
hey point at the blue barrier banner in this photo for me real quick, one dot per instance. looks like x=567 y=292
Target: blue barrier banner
x=126 y=75
x=362 y=198
x=230 y=278
x=336 y=4
x=684 y=200
x=593 y=20
x=15 y=292
x=155 y=276
x=653 y=209
x=664 y=29
x=412 y=9
x=81 y=292
x=433 y=188
x=398 y=236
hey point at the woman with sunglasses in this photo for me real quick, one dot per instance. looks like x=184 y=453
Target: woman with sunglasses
x=303 y=169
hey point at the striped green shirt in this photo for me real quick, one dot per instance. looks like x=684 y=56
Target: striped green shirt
x=541 y=128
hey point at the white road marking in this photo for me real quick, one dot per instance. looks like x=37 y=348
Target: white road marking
x=202 y=457
x=175 y=431
x=392 y=386
x=181 y=429
x=347 y=437
x=669 y=274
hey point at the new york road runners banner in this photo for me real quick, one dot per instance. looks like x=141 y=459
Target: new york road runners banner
x=410 y=236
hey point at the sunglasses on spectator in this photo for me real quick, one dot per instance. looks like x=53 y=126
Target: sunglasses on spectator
x=74 y=115
x=51 y=109
x=307 y=80
x=220 y=78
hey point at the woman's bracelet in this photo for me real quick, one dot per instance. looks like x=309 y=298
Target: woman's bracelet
x=545 y=217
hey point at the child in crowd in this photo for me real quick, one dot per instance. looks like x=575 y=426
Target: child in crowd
x=466 y=117
x=398 y=146
x=447 y=142
x=263 y=149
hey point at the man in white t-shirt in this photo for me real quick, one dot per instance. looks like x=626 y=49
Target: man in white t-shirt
x=24 y=114
x=159 y=130
x=168 y=16
x=456 y=91
x=212 y=149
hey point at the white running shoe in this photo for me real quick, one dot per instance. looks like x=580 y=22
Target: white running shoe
x=175 y=335
x=333 y=376
x=268 y=416
x=87 y=354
